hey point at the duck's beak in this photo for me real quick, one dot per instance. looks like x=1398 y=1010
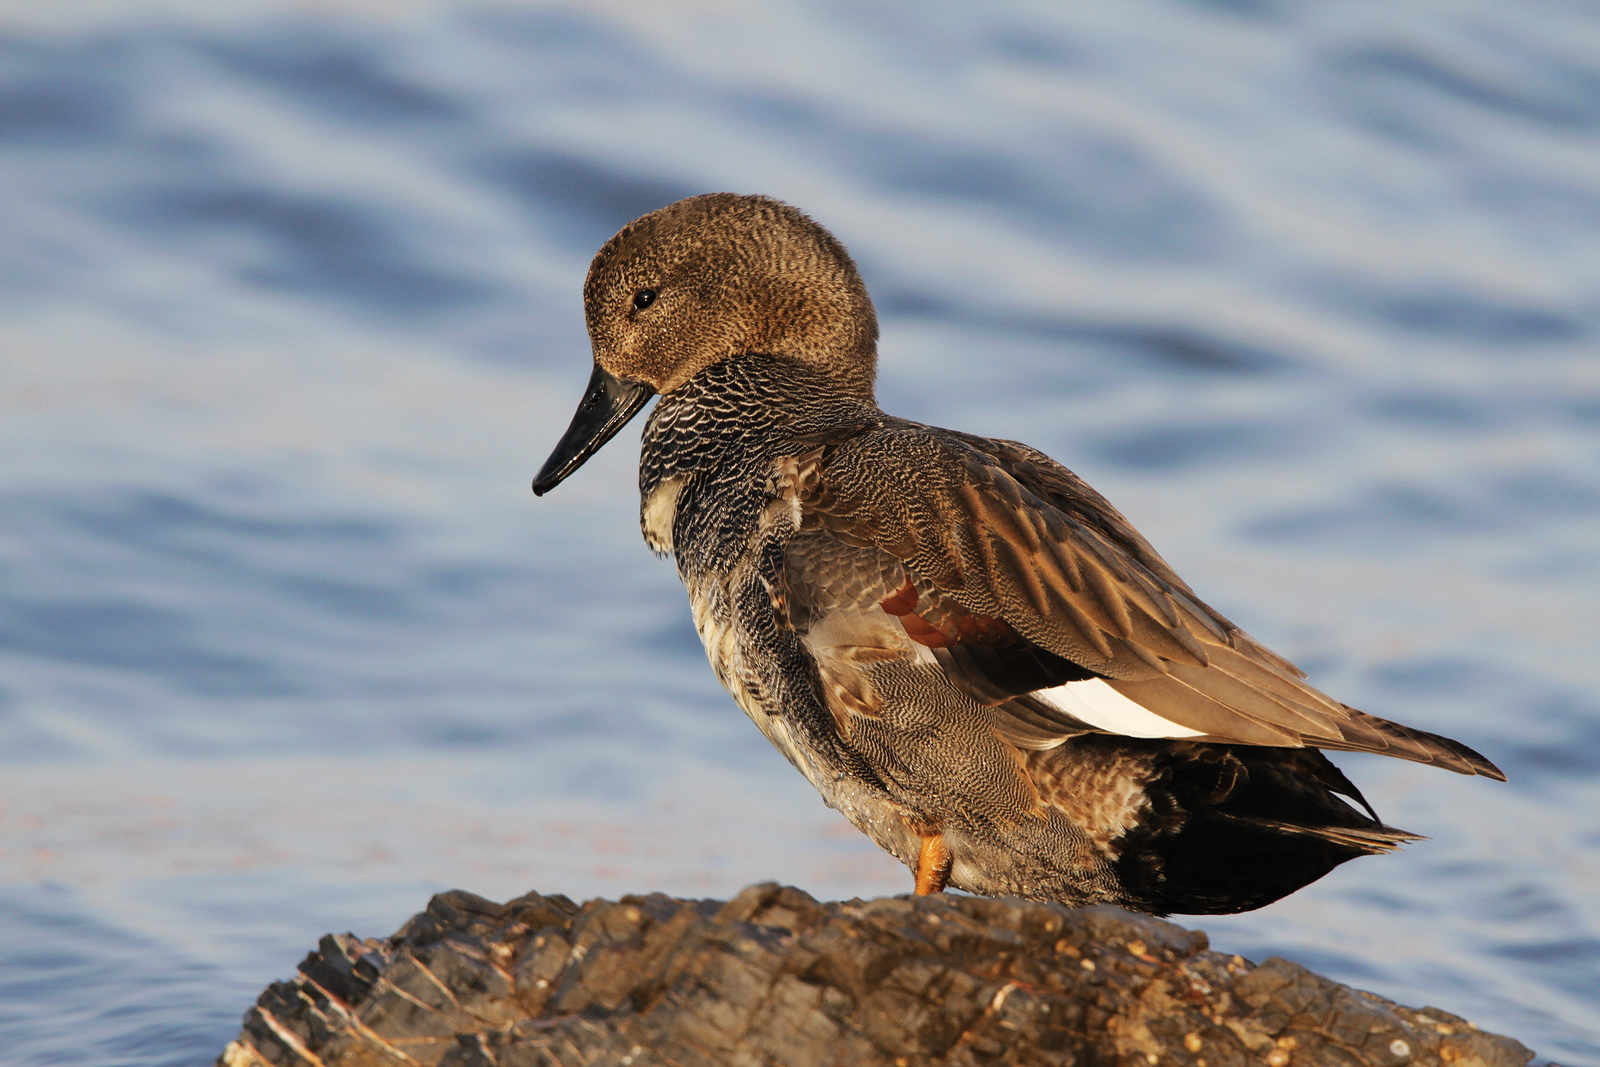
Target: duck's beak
x=606 y=407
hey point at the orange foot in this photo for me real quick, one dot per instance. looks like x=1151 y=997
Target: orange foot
x=933 y=865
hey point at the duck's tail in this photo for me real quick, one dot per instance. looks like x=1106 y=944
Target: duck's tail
x=1234 y=827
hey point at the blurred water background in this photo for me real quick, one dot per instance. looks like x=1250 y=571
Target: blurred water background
x=289 y=316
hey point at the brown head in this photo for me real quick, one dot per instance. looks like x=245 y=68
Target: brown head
x=704 y=280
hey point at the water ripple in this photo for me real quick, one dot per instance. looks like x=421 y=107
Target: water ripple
x=292 y=311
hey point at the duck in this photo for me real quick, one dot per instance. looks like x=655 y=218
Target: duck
x=967 y=650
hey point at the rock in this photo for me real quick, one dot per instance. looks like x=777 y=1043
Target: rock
x=774 y=977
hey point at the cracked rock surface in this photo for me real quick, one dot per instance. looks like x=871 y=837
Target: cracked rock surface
x=775 y=977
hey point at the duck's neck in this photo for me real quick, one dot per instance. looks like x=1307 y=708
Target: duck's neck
x=708 y=447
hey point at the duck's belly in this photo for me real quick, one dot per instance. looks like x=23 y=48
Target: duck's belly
x=720 y=635
x=741 y=670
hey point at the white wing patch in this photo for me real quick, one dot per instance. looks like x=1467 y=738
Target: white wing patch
x=1096 y=704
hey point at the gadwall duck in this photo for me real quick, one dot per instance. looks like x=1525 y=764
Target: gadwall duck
x=967 y=650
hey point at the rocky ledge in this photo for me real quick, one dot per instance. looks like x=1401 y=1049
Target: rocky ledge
x=774 y=977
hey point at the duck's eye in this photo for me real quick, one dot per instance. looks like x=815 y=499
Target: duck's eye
x=643 y=299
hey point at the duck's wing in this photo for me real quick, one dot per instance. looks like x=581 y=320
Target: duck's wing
x=1036 y=598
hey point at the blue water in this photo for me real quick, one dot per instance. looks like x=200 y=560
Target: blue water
x=289 y=316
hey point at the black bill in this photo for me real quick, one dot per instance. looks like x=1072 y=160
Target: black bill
x=607 y=405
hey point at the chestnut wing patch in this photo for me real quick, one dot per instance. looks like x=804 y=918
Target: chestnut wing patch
x=980 y=653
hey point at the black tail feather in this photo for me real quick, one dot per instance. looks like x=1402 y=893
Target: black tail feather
x=1237 y=827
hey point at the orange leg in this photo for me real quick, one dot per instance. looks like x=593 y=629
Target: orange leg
x=933 y=865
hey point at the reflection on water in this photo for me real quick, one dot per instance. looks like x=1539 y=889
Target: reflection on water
x=290 y=316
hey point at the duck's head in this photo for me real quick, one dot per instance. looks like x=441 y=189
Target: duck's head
x=704 y=280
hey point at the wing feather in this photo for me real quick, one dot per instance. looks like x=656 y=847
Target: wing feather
x=1014 y=576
